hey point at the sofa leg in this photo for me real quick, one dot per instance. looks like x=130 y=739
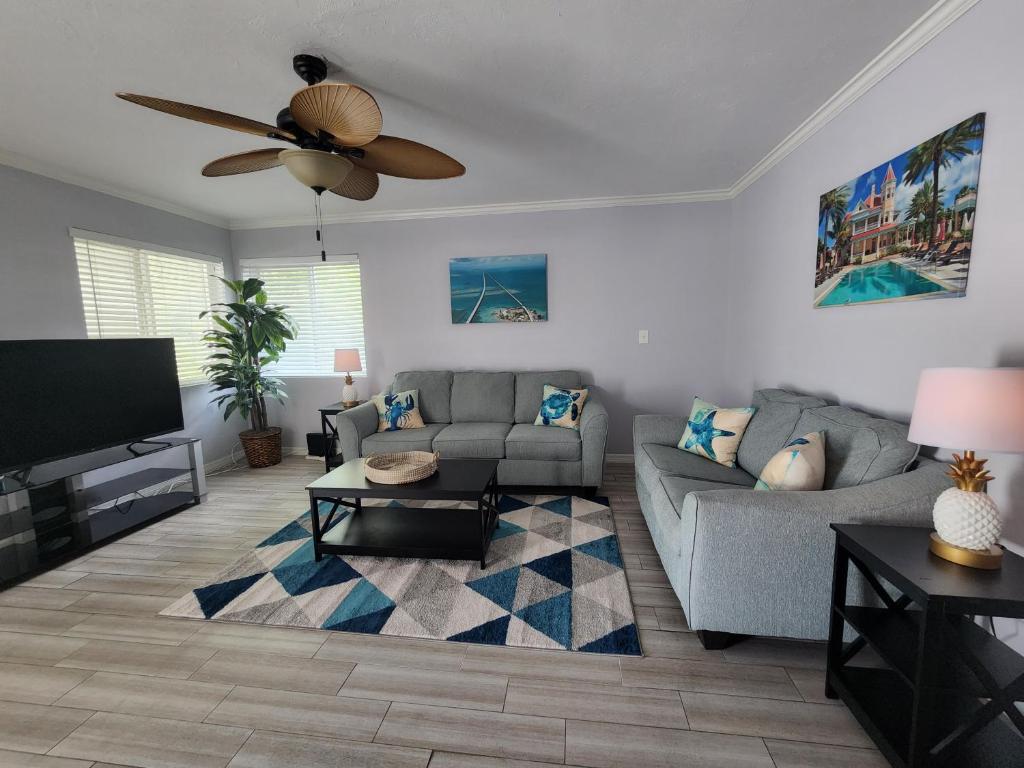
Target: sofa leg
x=716 y=641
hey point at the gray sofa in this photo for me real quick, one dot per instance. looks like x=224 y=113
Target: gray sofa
x=490 y=414
x=760 y=562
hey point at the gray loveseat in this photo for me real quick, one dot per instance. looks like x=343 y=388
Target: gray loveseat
x=489 y=415
x=760 y=562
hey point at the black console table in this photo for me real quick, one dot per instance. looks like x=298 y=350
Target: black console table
x=49 y=513
x=947 y=694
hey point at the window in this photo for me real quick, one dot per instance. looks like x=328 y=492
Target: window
x=131 y=290
x=324 y=299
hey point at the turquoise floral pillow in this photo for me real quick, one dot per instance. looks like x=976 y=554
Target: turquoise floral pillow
x=714 y=432
x=561 y=407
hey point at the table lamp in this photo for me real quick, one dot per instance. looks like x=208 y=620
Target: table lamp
x=970 y=409
x=346 y=361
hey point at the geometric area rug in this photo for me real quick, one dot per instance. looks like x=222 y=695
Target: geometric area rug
x=554 y=579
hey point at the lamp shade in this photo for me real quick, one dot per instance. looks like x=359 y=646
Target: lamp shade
x=316 y=169
x=970 y=409
x=347 y=360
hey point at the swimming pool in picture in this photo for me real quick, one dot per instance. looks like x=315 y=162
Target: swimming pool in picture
x=880 y=282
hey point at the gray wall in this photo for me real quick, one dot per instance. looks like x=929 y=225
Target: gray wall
x=872 y=355
x=39 y=290
x=611 y=272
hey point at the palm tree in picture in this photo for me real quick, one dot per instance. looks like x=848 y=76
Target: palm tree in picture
x=832 y=209
x=841 y=242
x=939 y=152
x=920 y=208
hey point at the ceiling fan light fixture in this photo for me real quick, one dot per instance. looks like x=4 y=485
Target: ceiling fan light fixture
x=316 y=169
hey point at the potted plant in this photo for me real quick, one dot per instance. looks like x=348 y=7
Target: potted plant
x=251 y=334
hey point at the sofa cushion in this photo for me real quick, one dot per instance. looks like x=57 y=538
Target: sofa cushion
x=472 y=440
x=483 y=396
x=562 y=407
x=678 y=487
x=527 y=441
x=773 y=424
x=669 y=460
x=530 y=390
x=715 y=432
x=402 y=440
x=397 y=411
x=858 y=448
x=435 y=389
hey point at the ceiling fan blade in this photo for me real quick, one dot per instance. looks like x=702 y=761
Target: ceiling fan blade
x=347 y=112
x=393 y=156
x=360 y=184
x=209 y=116
x=243 y=162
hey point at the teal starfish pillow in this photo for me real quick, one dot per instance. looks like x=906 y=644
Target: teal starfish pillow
x=714 y=432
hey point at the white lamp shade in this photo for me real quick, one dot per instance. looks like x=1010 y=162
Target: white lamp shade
x=316 y=169
x=347 y=360
x=970 y=409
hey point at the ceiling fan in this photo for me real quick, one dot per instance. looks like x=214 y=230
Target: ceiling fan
x=336 y=129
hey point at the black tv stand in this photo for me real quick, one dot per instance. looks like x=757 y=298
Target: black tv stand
x=159 y=443
x=53 y=512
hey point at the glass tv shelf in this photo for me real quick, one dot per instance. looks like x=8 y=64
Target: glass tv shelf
x=50 y=513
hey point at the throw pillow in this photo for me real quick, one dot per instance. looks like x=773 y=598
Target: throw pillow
x=398 y=411
x=561 y=407
x=800 y=466
x=714 y=432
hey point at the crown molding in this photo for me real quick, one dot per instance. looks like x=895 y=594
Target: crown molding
x=39 y=168
x=536 y=206
x=920 y=33
x=917 y=35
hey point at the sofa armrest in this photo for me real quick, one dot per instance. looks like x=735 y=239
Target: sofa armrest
x=354 y=425
x=594 y=434
x=657 y=429
x=761 y=561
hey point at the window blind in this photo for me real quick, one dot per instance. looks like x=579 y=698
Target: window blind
x=133 y=291
x=326 y=302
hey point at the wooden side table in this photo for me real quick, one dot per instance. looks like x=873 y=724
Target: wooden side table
x=330 y=432
x=947 y=694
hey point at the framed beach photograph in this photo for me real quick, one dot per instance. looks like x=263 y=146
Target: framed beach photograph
x=903 y=230
x=499 y=289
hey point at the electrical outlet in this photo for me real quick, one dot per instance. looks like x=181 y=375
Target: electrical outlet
x=643 y=336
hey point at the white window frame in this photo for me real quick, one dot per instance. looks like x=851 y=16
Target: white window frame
x=310 y=261
x=124 y=242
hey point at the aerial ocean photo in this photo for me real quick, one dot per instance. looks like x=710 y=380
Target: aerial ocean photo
x=499 y=289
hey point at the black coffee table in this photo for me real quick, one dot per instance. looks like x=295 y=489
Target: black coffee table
x=449 y=534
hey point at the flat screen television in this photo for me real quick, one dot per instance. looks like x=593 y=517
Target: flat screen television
x=64 y=398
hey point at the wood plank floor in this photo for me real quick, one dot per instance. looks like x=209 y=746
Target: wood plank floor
x=90 y=675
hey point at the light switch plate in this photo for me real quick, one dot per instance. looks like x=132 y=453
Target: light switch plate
x=643 y=336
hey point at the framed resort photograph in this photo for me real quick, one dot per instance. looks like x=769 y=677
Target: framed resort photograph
x=499 y=289
x=903 y=231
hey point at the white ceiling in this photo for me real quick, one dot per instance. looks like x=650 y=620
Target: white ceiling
x=540 y=99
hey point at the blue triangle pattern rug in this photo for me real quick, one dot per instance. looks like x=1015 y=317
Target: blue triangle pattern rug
x=554 y=579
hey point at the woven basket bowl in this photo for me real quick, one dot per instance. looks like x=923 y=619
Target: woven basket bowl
x=400 y=468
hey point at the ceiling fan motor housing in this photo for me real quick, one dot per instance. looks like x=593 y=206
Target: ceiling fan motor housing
x=310 y=68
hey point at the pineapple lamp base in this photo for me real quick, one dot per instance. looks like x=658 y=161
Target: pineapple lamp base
x=990 y=559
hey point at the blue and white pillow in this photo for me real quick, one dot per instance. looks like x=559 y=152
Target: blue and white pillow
x=714 y=432
x=561 y=407
x=800 y=466
x=398 y=410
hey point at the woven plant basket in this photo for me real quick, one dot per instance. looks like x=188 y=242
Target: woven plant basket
x=262 y=449
x=400 y=468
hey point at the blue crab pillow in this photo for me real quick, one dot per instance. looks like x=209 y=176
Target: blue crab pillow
x=400 y=410
x=714 y=432
x=800 y=466
x=561 y=407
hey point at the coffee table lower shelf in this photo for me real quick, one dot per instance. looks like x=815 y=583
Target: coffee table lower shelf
x=410 y=532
